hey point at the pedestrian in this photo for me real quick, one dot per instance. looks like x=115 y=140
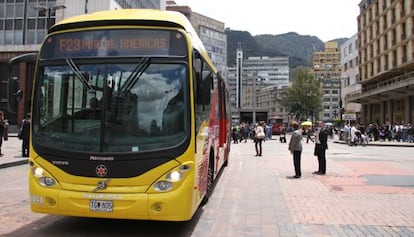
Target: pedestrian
x=321 y=144
x=309 y=134
x=25 y=135
x=1 y=130
x=6 y=130
x=259 y=137
x=295 y=148
x=235 y=134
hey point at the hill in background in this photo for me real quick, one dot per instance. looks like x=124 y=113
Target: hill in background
x=298 y=48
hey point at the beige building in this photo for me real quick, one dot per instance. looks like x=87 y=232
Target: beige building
x=326 y=66
x=211 y=32
x=386 y=61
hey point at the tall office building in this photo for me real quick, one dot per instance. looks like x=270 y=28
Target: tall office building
x=386 y=55
x=23 y=26
x=350 y=81
x=326 y=66
x=255 y=83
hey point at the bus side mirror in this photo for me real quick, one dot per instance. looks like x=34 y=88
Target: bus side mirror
x=204 y=84
x=14 y=94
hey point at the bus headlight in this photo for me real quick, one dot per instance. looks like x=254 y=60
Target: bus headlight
x=43 y=178
x=47 y=181
x=163 y=185
x=174 y=176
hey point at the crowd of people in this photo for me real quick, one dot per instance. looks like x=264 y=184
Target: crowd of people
x=319 y=135
x=23 y=133
x=374 y=132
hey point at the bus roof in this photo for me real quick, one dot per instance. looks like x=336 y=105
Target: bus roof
x=146 y=17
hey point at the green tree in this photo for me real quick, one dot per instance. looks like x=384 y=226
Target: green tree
x=304 y=97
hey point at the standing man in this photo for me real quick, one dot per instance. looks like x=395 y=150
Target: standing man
x=1 y=130
x=321 y=144
x=25 y=135
x=295 y=148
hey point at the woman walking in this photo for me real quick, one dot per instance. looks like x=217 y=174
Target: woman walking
x=259 y=137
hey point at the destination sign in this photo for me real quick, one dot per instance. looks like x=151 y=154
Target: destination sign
x=114 y=42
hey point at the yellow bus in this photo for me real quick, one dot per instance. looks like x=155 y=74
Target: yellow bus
x=130 y=118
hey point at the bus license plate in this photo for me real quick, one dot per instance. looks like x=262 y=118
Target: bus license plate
x=100 y=206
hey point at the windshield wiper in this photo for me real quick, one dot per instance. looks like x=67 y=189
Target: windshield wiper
x=135 y=75
x=79 y=74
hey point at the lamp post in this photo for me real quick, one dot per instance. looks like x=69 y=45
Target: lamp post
x=48 y=10
x=341 y=110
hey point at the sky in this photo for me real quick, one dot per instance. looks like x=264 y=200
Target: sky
x=325 y=19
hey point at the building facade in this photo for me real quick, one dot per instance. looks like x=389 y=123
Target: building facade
x=24 y=25
x=386 y=61
x=350 y=80
x=256 y=84
x=326 y=66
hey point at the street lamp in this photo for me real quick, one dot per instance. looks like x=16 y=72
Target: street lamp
x=48 y=10
x=341 y=110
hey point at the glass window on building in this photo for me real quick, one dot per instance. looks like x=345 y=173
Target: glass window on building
x=2 y=37
x=41 y=23
x=9 y=24
x=1 y=10
x=19 y=10
x=9 y=37
x=18 y=37
x=18 y=24
x=40 y=36
x=30 y=37
x=31 y=24
x=31 y=10
x=9 y=10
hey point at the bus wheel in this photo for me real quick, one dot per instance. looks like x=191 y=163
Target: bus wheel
x=210 y=179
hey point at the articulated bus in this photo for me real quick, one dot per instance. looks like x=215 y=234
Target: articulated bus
x=130 y=118
x=277 y=124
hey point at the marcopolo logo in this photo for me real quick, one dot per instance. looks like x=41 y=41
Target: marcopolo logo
x=101 y=170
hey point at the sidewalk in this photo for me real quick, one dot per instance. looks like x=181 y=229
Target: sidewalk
x=12 y=150
x=379 y=143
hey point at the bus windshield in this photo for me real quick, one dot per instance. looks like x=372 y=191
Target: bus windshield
x=111 y=107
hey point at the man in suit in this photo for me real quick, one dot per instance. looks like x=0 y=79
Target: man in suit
x=321 y=144
x=295 y=148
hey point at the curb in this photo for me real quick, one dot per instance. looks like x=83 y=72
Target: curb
x=14 y=163
x=380 y=144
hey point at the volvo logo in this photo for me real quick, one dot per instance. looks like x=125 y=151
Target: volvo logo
x=102 y=185
x=101 y=170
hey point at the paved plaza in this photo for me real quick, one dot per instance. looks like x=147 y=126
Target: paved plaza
x=367 y=191
x=254 y=198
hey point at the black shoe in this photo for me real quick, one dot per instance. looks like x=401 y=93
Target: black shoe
x=293 y=177
x=316 y=172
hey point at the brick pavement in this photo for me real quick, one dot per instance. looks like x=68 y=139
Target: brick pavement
x=12 y=152
x=253 y=197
